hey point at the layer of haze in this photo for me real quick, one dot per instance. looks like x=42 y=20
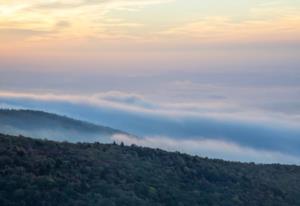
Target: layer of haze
x=212 y=129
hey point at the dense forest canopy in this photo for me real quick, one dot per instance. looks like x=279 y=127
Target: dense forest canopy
x=41 y=172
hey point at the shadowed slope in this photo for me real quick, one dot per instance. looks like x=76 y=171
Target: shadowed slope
x=39 y=124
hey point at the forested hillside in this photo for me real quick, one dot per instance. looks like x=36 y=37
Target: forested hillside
x=39 y=172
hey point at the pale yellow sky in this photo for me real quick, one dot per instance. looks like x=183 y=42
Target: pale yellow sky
x=146 y=35
x=47 y=24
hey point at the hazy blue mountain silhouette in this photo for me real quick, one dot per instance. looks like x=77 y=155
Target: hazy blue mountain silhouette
x=40 y=124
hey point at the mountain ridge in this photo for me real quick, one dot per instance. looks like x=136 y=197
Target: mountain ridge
x=40 y=124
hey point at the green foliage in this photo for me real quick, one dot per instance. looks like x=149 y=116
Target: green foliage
x=39 y=172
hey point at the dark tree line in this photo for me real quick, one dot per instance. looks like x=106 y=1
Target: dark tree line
x=46 y=173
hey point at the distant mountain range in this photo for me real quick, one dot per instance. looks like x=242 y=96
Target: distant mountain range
x=38 y=124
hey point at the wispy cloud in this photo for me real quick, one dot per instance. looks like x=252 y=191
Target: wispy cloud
x=222 y=29
x=266 y=21
x=84 y=19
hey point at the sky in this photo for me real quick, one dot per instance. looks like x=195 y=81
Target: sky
x=213 y=78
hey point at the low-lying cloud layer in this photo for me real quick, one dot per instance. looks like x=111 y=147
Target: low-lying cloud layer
x=210 y=148
x=207 y=130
